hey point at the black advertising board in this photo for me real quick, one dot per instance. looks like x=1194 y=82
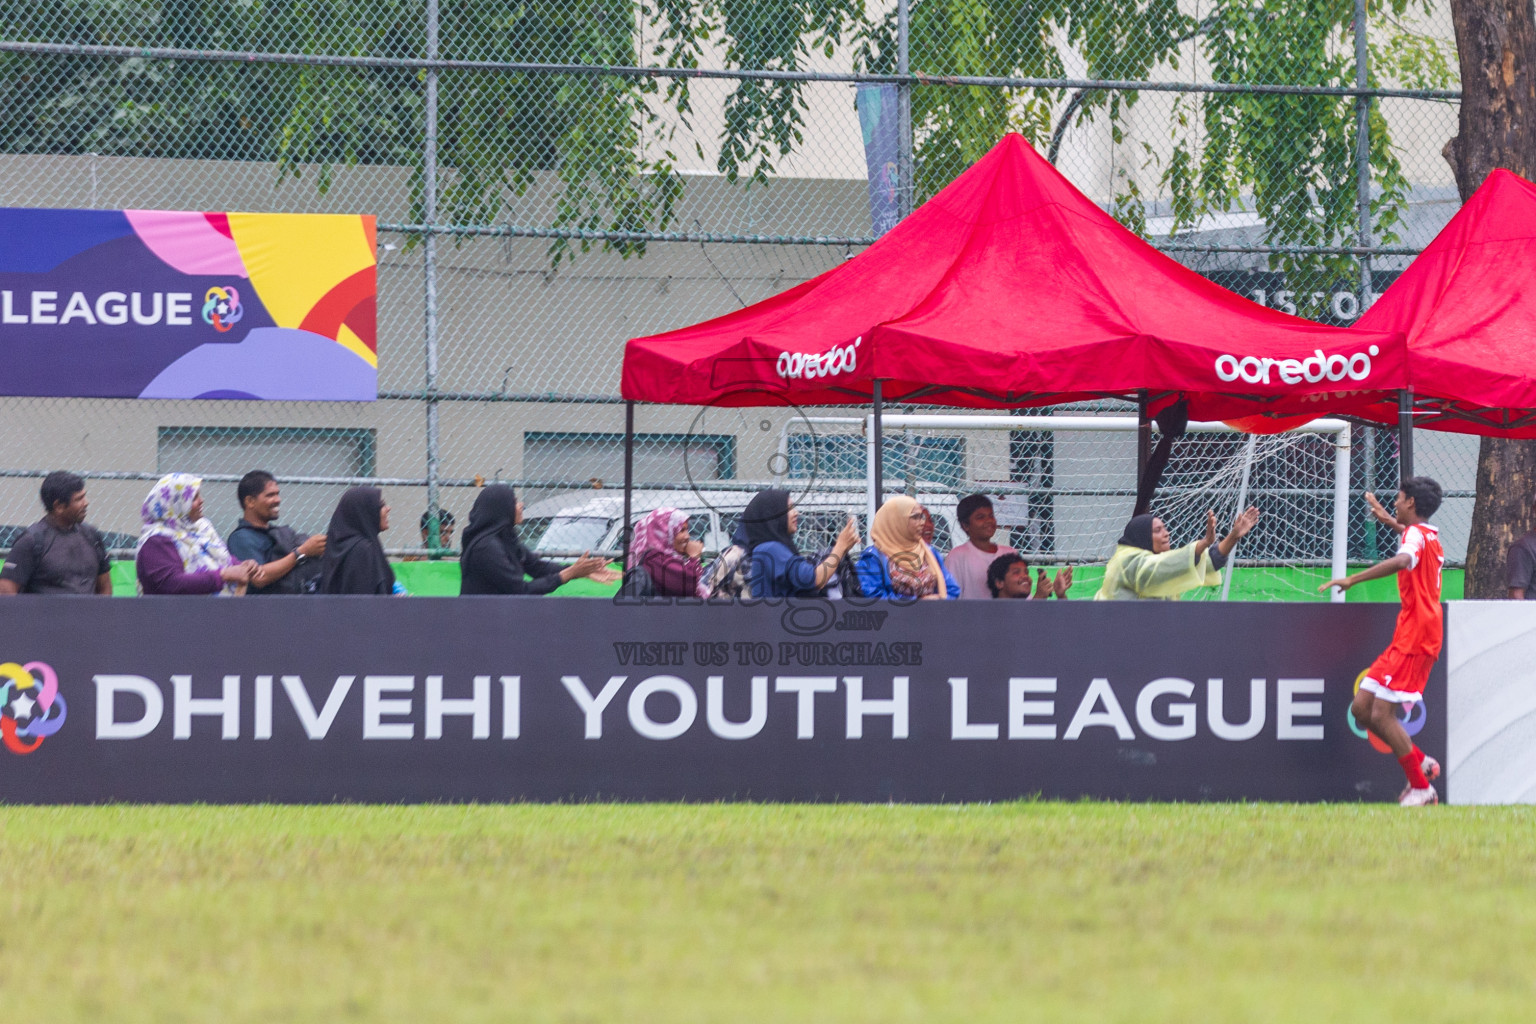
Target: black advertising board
x=544 y=699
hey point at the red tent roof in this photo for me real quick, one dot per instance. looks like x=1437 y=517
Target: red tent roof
x=1011 y=288
x=1467 y=306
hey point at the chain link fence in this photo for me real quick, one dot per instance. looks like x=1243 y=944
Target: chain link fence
x=552 y=177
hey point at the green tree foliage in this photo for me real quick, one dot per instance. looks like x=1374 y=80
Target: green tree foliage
x=1293 y=155
x=763 y=119
x=954 y=126
x=1296 y=155
x=496 y=131
x=608 y=139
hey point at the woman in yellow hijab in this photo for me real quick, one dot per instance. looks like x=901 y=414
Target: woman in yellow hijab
x=897 y=563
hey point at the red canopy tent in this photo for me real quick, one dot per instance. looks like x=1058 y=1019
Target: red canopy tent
x=1467 y=308
x=1011 y=289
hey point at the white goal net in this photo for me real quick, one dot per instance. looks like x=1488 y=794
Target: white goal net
x=1064 y=485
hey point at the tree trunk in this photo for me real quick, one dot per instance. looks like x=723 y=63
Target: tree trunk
x=1496 y=44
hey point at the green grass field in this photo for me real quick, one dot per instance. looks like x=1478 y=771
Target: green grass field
x=595 y=913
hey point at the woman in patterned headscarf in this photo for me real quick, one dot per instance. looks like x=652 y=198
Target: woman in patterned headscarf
x=664 y=547
x=179 y=551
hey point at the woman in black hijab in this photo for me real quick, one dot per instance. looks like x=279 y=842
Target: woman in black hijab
x=778 y=568
x=1142 y=532
x=354 y=560
x=1147 y=565
x=495 y=560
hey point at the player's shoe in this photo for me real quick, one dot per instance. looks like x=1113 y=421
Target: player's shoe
x=1431 y=769
x=1420 y=797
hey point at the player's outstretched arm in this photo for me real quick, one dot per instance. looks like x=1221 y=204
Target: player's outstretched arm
x=1386 y=567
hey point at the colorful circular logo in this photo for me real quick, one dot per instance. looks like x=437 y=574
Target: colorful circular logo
x=1411 y=715
x=31 y=706
x=221 y=308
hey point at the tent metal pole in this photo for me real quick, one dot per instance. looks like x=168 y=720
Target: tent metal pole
x=1405 y=432
x=868 y=426
x=1143 y=437
x=629 y=474
x=877 y=453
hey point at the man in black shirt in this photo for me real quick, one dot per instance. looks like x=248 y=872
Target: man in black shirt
x=1522 y=568
x=288 y=562
x=60 y=553
x=445 y=521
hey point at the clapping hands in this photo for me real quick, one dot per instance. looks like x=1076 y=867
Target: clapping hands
x=1045 y=587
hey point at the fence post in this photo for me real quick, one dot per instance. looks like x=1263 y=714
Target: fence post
x=876 y=449
x=906 y=186
x=1363 y=227
x=1363 y=153
x=429 y=260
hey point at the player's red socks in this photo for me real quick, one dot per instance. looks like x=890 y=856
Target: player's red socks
x=1413 y=767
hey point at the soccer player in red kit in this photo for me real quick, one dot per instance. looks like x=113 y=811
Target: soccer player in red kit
x=1397 y=678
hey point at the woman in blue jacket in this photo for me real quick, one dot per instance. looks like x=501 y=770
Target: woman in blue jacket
x=897 y=562
x=778 y=567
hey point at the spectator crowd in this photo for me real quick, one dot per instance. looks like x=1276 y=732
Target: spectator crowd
x=180 y=551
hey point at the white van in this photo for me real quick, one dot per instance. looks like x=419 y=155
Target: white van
x=568 y=524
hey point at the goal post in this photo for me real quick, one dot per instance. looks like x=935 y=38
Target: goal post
x=1294 y=485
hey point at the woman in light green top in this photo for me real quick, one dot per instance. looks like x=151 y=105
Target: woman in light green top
x=1145 y=565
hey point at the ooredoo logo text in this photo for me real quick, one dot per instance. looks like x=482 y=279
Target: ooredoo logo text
x=1313 y=369
x=31 y=706
x=806 y=365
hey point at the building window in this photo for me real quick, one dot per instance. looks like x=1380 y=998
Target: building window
x=919 y=461
x=560 y=458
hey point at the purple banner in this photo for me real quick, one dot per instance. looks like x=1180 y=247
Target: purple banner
x=155 y=304
x=878 y=120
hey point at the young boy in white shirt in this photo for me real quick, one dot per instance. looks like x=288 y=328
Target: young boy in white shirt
x=968 y=562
